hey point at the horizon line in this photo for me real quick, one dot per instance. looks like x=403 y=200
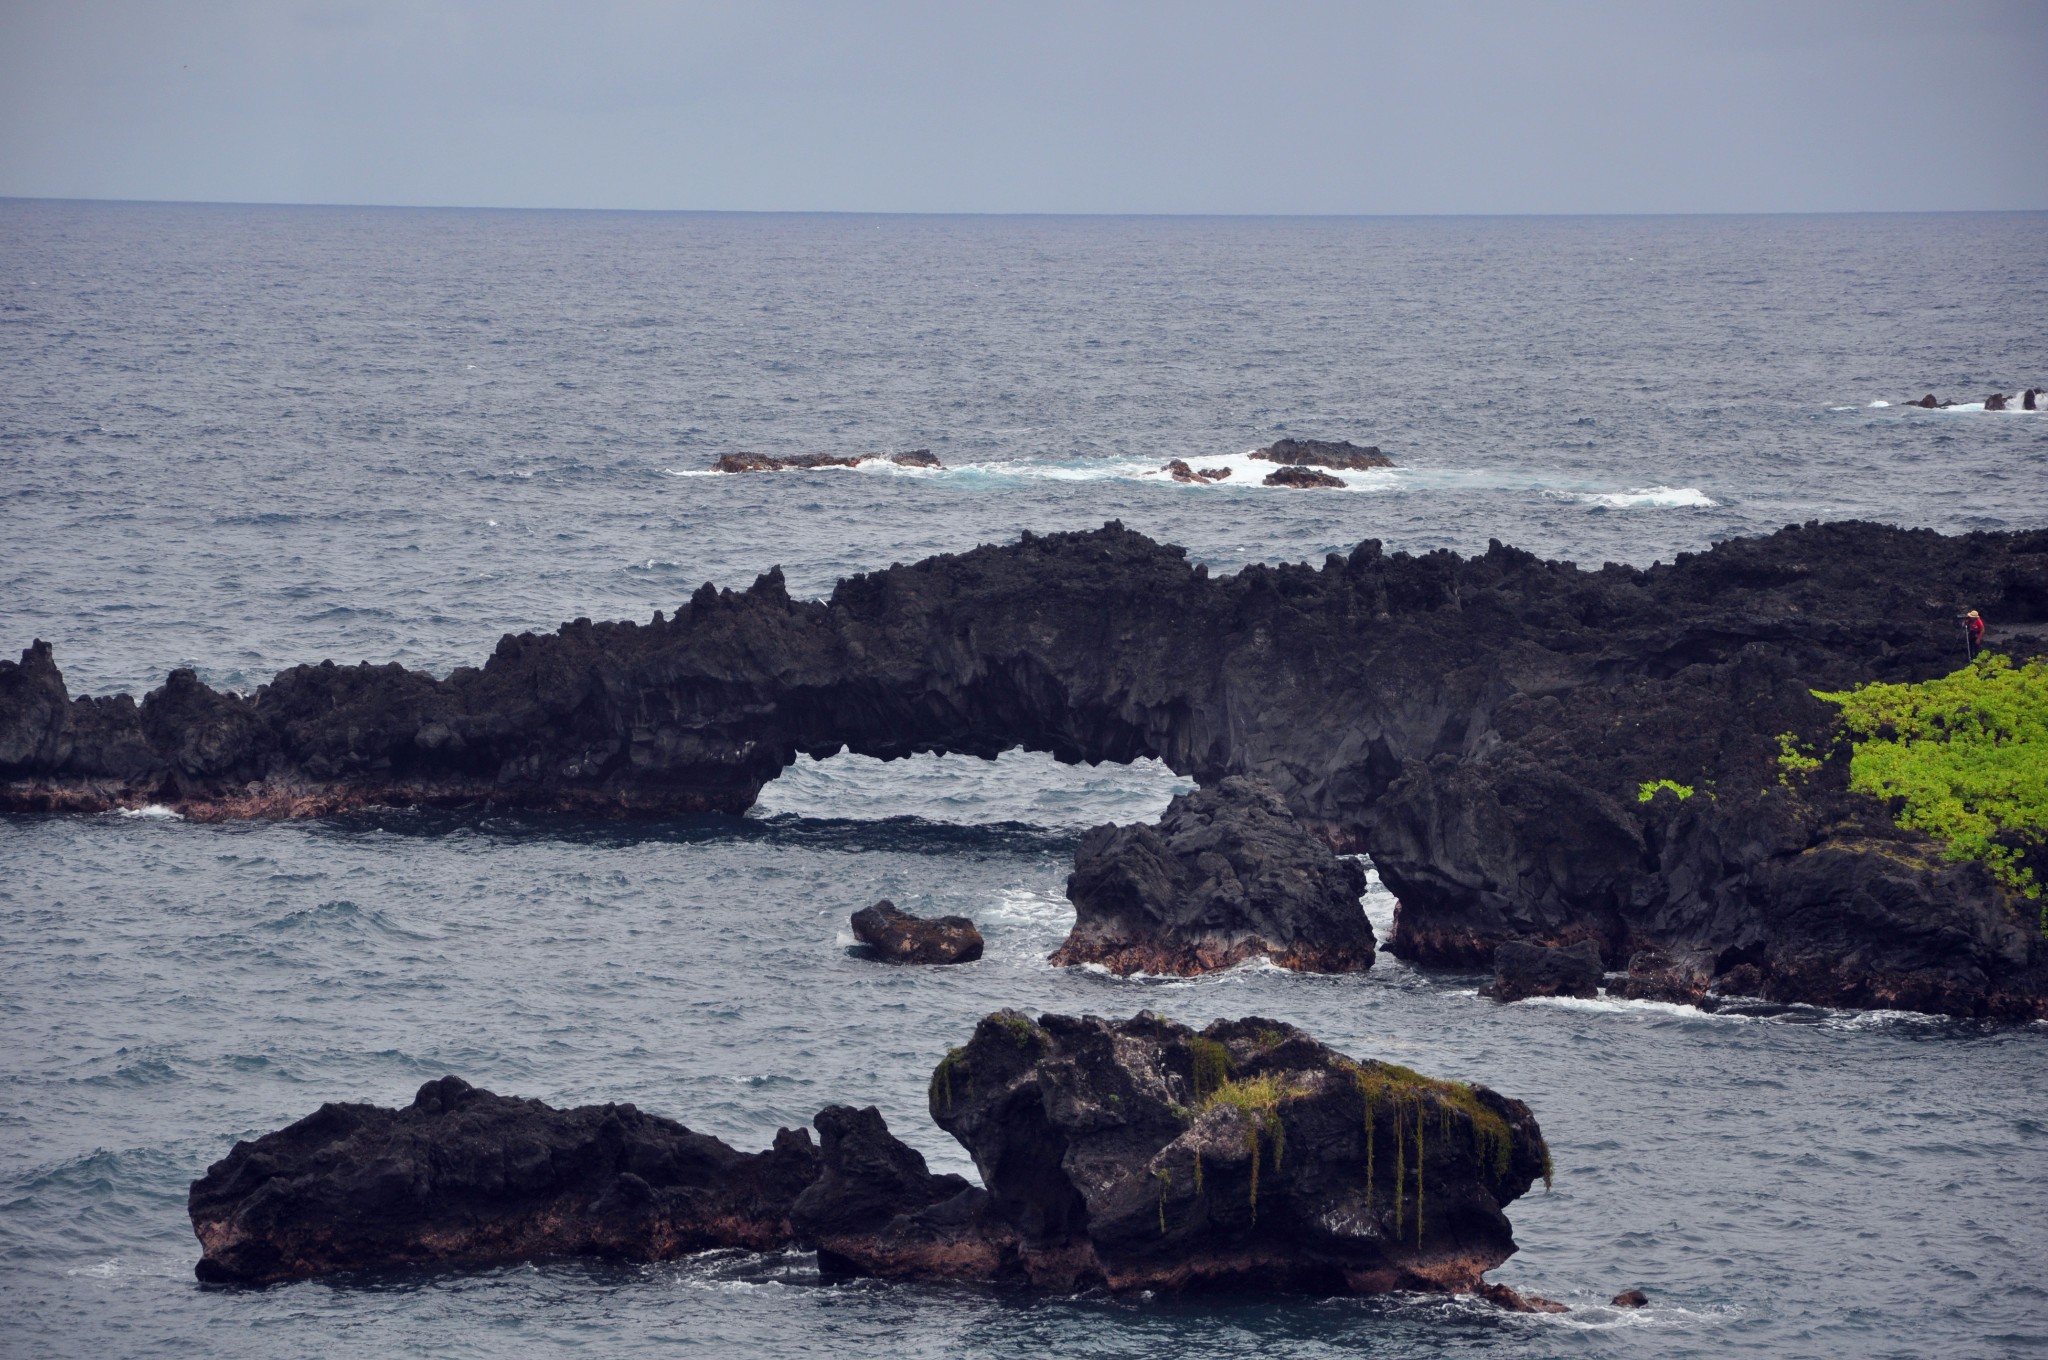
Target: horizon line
x=1012 y=213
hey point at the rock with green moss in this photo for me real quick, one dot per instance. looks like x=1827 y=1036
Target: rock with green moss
x=1142 y=1155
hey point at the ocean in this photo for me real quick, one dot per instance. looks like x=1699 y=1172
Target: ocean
x=239 y=438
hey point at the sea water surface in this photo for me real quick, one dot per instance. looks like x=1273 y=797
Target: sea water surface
x=241 y=438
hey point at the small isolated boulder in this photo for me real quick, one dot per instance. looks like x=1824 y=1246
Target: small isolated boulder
x=895 y=936
x=1329 y=453
x=1631 y=1298
x=1225 y=875
x=463 y=1176
x=1301 y=478
x=1524 y=970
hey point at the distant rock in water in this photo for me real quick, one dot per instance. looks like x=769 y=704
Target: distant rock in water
x=1525 y=970
x=895 y=936
x=463 y=1176
x=1141 y=1155
x=762 y=462
x=1632 y=1298
x=1301 y=478
x=1183 y=473
x=1329 y=453
x=1995 y=402
x=1227 y=874
x=1929 y=403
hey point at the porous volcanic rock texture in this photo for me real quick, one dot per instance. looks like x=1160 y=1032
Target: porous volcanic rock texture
x=1225 y=875
x=465 y=1176
x=1139 y=1154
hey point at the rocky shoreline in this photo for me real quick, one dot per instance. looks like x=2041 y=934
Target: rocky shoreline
x=1493 y=731
x=1133 y=1155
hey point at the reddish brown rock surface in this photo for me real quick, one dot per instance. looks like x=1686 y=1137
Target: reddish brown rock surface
x=895 y=936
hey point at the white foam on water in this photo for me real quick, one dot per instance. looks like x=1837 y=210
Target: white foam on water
x=154 y=812
x=1642 y=498
x=1874 y=403
x=1248 y=474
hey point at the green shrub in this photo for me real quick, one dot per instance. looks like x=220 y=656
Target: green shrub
x=1652 y=787
x=1968 y=756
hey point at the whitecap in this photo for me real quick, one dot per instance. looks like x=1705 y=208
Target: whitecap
x=1641 y=498
x=155 y=812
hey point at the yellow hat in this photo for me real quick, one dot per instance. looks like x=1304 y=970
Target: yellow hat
x=1972 y=614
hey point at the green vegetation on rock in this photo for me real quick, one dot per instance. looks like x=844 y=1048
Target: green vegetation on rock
x=1651 y=787
x=1968 y=756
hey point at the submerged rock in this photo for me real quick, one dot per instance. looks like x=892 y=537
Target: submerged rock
x=1138 y=1155
x=463 y=1176
x=1301 y=478
x=895 y=936
x=1523 y=970
x=1225 y=875
x=1329 y=453
x=1631 y=1298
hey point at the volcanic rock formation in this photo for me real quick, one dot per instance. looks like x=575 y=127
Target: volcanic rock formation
x=465 y=1176
x=1329 y=453
x=1133 y=1155
x=1300 y=478
x=1139 y=1154
x=1525 y=970
x=1481 y=726
x=1227 y=874
x=1183 y=473
x=895 y=936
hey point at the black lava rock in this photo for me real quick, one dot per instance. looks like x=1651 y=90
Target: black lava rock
x=1226 y=874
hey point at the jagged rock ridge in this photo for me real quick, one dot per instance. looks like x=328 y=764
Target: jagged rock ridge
x=1479 y=725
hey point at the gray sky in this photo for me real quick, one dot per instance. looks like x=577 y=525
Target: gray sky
x=1100 y=106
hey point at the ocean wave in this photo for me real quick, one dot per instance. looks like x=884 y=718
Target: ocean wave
x=1641 y=498
x=1248 y=474
x=151 y=812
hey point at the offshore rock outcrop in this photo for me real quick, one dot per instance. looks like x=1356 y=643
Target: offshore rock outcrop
x=1481 y=726
x=1524 y=970
x=1138 y=1155
x=766 y=462
x=895 y=936
x=1130 y=1155
x=1329 y=453
x=463 y=1176
x=1226 y=875
x=1301 y=478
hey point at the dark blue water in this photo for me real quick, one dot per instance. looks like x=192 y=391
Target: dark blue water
x=243 y=438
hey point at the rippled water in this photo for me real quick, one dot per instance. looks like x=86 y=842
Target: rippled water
x=242 y=438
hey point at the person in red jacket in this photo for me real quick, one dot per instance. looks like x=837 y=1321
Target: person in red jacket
x=1973 y=623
